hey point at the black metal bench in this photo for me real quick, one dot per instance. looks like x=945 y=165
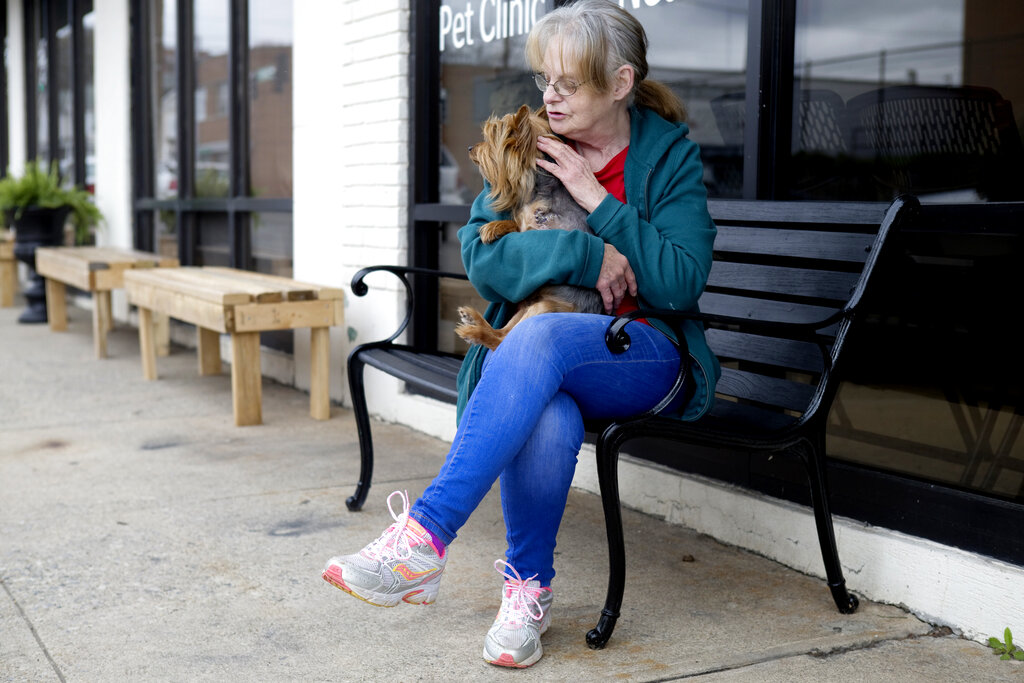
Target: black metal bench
x=780 y=303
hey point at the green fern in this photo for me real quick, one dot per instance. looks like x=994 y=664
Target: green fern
x=42 y=188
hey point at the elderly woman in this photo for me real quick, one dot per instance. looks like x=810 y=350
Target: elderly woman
x=625 y=158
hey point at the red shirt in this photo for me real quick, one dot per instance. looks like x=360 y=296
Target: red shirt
x=613 y=178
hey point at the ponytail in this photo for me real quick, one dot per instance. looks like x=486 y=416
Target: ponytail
x=657 y=97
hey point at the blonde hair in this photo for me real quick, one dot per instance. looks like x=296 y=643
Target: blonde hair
x=596 y=37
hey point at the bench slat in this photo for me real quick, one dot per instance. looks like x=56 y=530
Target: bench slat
x=793 y=212
x=805 y=282
x=175 y=279
x=832 y=246
x=293 y=289
x=760 y=309
x=781 y=353
x=420 y=370
x=221 y=281
x=769 y=391
x=288 y=289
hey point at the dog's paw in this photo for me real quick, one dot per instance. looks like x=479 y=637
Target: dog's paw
x=468 y=316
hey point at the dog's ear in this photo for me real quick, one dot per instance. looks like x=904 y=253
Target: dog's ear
x=525 y=132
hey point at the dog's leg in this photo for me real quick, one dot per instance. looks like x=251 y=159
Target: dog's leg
x=489 y=232
x=475 y=330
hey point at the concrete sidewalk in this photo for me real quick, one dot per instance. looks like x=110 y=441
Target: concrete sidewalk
x=145 y=537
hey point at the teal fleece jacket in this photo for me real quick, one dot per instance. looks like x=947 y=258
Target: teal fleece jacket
x=664 y=230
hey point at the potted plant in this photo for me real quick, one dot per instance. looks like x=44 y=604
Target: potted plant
x=37 y=206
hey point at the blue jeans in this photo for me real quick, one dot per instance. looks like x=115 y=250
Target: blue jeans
x=524 y=424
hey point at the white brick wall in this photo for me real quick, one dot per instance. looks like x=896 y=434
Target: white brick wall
x=352 y=165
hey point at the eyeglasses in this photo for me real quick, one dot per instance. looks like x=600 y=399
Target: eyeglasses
x=563 y=88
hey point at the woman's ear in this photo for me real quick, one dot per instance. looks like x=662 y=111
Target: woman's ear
x=623 y=83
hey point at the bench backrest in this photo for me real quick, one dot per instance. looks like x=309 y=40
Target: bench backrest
x=789 y=262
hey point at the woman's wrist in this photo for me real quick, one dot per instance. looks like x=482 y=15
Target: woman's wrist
x=593 y=200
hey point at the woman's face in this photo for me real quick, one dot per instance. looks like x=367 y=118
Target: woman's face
x=582 y=115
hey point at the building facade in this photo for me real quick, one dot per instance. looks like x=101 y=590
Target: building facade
x=315 y=137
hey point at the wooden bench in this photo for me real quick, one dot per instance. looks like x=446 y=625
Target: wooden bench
x=96 y=270
x=8 y=269
x=780 y=304
x=242 y=304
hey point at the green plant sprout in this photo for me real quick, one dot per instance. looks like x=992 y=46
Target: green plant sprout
x=1005 y=648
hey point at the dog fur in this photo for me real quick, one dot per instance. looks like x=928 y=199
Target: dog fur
x=536 y=200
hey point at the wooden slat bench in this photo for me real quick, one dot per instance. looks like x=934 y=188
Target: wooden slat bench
x=243 y=304
x=8 y=269
x=96 y=270
x=782 y=298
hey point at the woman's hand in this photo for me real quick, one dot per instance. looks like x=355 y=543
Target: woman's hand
x=573 y=170
x=615 y=279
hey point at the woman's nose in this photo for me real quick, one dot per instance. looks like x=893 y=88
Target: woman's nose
x=550 y=95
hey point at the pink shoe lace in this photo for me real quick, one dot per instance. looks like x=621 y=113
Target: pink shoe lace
x=520 y=598
x=398 y=539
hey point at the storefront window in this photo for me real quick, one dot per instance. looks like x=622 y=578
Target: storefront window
x=918 y=97
x=42 y=84
x=211 y=118
x=270 y=99
x=88 y=71
x=59 y=59
x=217 y=198
x=164 y=102
x=65 y=149
x=484 y=72
x=910 y=97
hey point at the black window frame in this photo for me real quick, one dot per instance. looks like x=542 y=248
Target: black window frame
x=50 y=20
x=237 y=206
x=946 y=514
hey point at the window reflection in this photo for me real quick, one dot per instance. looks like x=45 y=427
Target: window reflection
x=212 y=239
x=211 y=97
x=42 y=86
x=922 y=92
x=65 y=98
x=88 y=71
x=164 y=100
x=270 y=98
x=271 y=239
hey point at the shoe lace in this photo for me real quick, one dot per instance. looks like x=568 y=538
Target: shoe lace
x=396 y=541
x=519 y=598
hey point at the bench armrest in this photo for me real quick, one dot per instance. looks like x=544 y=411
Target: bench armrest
x=360 y=288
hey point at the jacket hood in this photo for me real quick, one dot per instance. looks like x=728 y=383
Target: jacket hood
x=652 y=135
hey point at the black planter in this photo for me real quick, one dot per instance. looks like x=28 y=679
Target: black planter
x=36 y=227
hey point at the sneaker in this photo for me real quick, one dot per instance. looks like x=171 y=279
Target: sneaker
x=514 y=638
x=400 y=566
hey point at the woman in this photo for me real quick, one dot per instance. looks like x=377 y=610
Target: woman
x=625 y=158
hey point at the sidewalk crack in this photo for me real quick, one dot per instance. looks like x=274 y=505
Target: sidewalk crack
x=32 y=629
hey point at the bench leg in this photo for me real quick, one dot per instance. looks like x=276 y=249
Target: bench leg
x=319 y=370
x=56 y=306
x=608 y=479
x=208 y=349
x=246 y=378
x=146 y=347
x=812 y=452
x=101 y=322
x=362 y=415
x=162 y=334
x=8 y=283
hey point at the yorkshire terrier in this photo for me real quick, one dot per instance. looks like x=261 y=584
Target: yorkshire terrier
x=507 y=158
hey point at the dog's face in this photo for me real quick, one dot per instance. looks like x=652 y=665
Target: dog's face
x=507 y=156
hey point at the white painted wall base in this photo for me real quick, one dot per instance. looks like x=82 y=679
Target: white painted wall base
x=973 y=594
